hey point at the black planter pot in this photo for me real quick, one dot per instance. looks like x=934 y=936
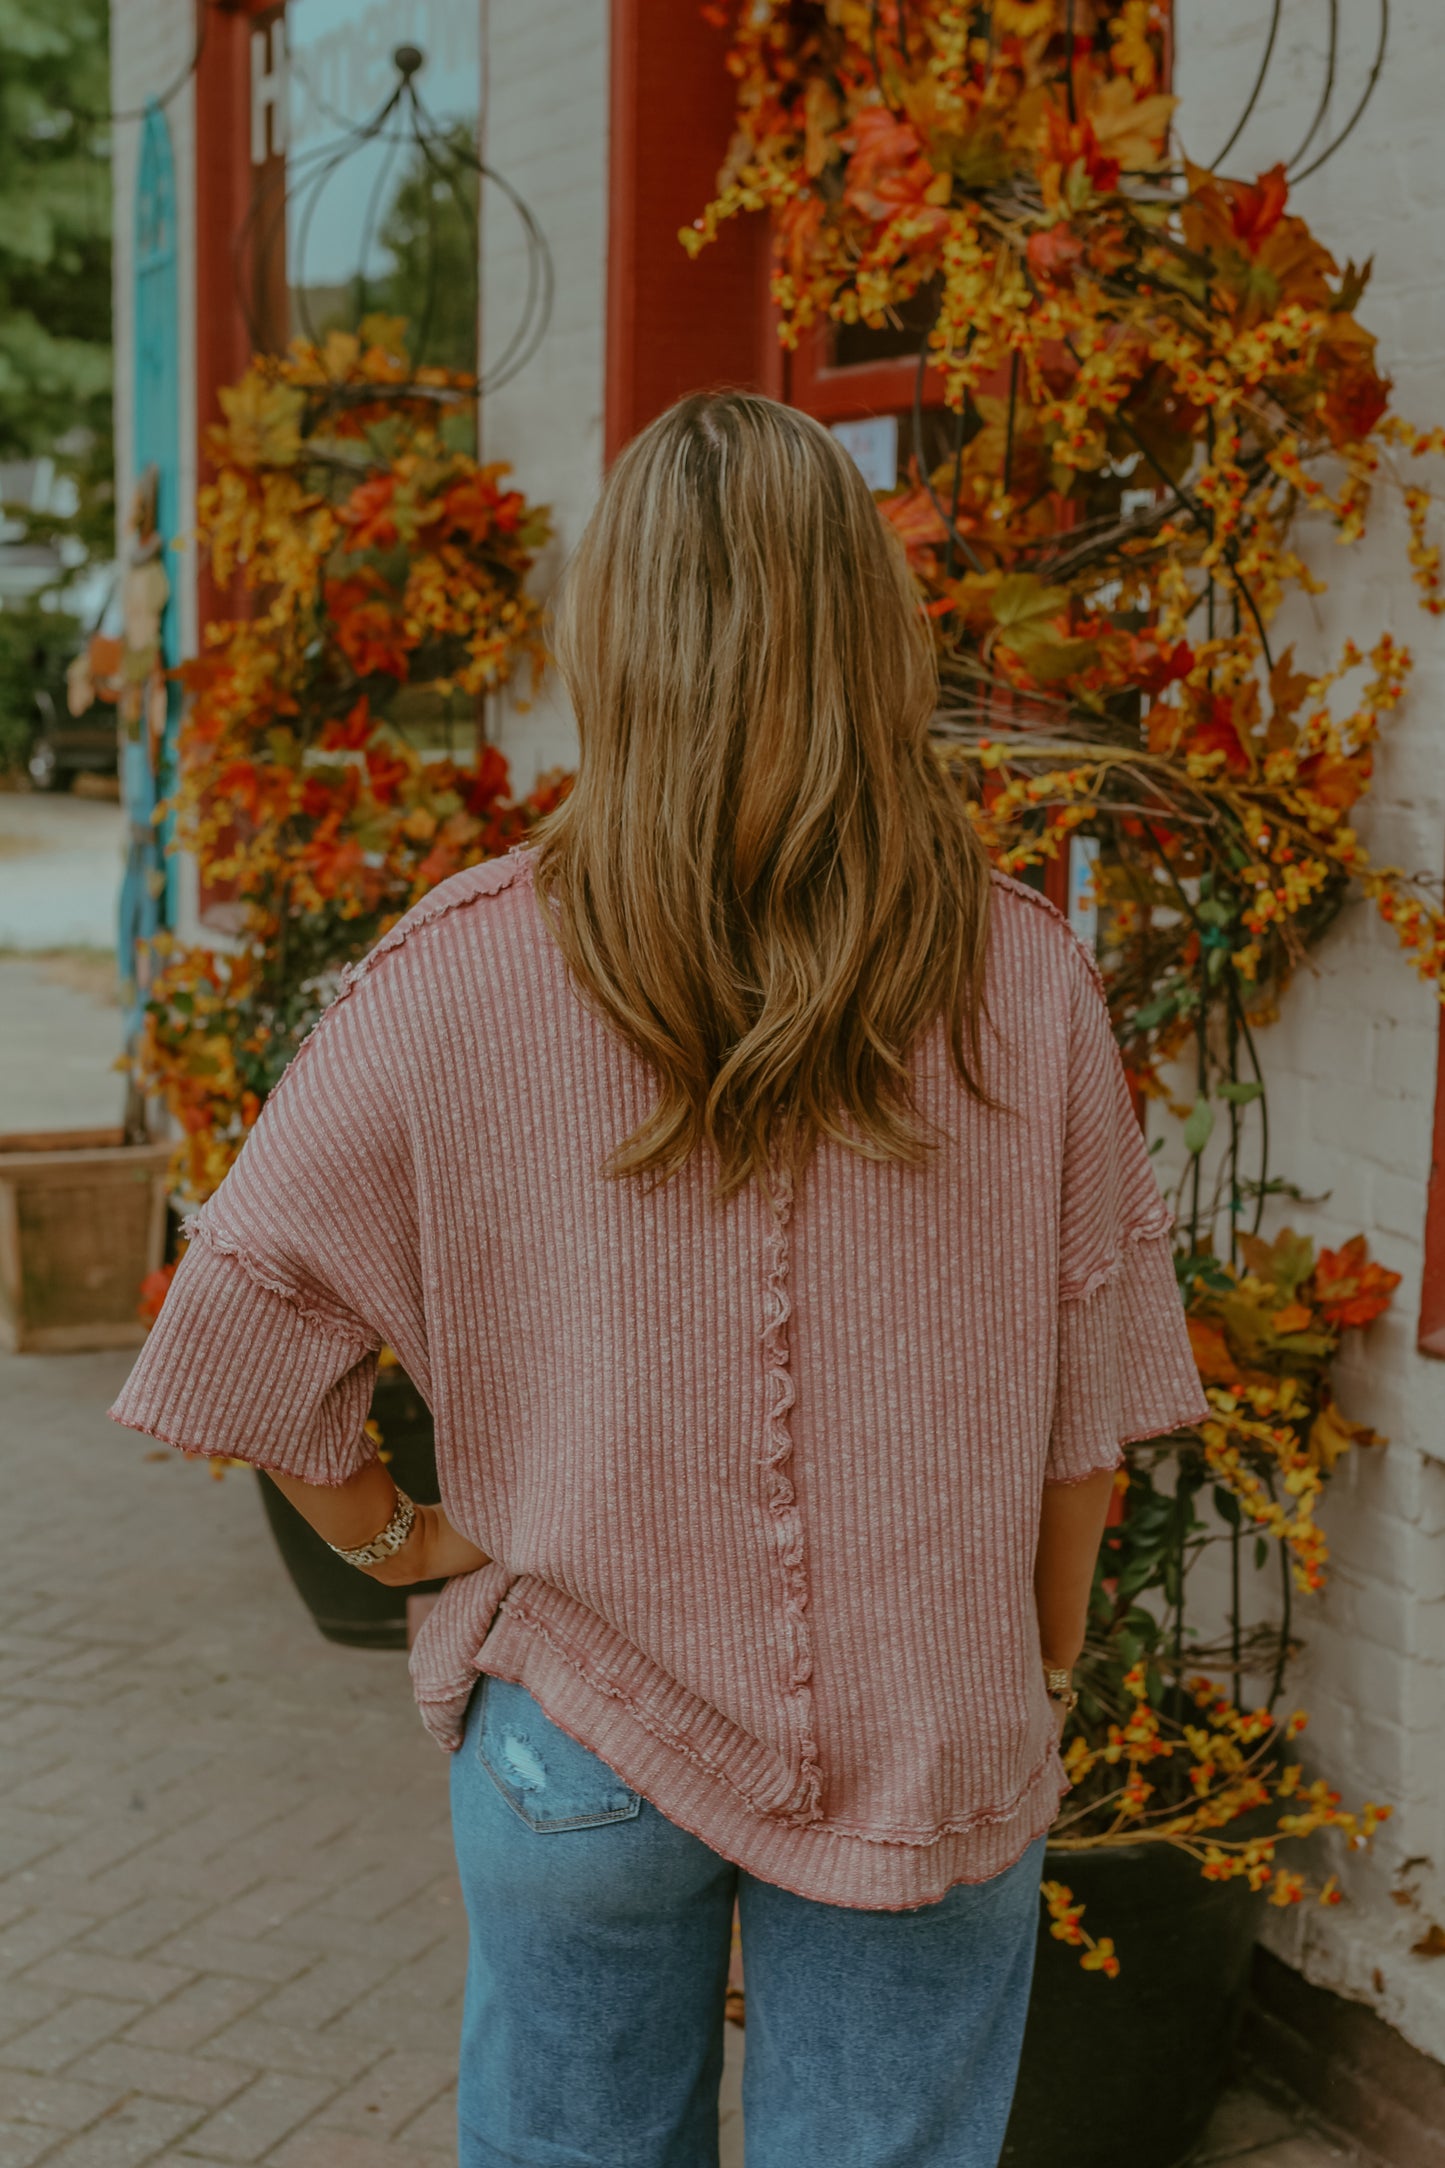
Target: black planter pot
x=349 y=1606
x=1131 y=2069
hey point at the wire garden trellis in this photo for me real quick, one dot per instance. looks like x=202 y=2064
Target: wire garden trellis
x=1038 y=727
x=454 y=174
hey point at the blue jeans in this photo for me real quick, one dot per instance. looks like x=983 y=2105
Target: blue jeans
x=592 y=2035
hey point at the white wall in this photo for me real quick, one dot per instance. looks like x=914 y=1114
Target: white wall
x=545 y=128
x=1351 y=1065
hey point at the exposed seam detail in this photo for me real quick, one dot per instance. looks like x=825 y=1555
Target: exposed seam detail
x=196 y=1228
x=646 y=1717
x=985 y=1818
x=780 y=1389
x=1153 y=1230
x=488 y=879
x=1050 y=910
x=844 y=1832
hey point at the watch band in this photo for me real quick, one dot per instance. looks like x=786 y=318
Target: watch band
x=1059 y=1684
x=390 y=1540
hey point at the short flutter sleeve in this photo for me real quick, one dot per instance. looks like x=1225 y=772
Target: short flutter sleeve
x=1125 y=1369
x=300 y=1266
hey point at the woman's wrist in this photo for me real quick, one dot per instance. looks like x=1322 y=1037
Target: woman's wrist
x=408 y=1562
x=392 y=1537
x=1060 y=1688
x=433 y=1551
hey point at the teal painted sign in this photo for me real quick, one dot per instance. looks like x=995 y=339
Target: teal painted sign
x=148 y=752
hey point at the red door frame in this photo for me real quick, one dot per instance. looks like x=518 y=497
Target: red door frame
x=675 y=325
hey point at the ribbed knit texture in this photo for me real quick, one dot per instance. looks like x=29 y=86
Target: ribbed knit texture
x=761 y=1481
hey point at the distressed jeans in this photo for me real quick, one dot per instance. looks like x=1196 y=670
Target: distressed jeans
x=592 y=2034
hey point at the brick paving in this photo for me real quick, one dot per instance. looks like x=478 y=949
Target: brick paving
x=230 y=1930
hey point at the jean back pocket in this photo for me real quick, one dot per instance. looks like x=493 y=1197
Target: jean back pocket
x=550 y=1780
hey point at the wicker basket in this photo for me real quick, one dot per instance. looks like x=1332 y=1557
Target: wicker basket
x=82 y=1221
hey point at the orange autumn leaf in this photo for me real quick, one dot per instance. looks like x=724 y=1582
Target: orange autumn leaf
x=153 y=1291
x=370 y=513
x=477 y=509
x=915 y=519
x=1336 y=779
x=1349 y=1289
x=1256 y=209
x=1212 y=1355
x=1219 y=733
x=368 y=631
x=1054 y=254
x=349 y=732
x=1294 y=1317
x=1073 y=143
x=888 y=171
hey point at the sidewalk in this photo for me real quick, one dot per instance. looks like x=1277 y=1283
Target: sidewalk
x=60 y=870
x=61 y=1037
x=229 y=1924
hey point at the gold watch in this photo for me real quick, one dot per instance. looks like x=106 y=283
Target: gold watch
x=387 y=1542
x=1059 y=1683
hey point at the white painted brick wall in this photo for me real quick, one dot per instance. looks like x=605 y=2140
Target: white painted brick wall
x=546 y=130
x=1351 y=1065
x=151 y=42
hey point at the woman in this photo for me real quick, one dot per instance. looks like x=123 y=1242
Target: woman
x=749 y=1180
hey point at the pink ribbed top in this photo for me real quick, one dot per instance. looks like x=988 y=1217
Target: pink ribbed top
x=760 y=1482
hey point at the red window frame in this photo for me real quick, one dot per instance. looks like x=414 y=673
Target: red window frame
x=1431 y=1339
x=224 y=183
x=226 y=186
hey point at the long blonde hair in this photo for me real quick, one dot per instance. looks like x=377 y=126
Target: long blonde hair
x=763 y=878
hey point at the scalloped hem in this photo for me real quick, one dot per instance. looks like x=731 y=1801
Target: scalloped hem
x=829 y=1863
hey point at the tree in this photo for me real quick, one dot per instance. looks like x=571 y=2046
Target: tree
x=55 y=324
x=430 y=233
x=55 y=333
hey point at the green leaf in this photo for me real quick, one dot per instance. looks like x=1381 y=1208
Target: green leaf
x=1240 y=1095
x=1023 y=599
x=1226 y=1505
x=1261 y=1553
x=1199 y=1128
x=1140 y=1571
x=1048 y=655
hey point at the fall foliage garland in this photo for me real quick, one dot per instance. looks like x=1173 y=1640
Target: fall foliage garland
x=384 y=571
x=1153 y=373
